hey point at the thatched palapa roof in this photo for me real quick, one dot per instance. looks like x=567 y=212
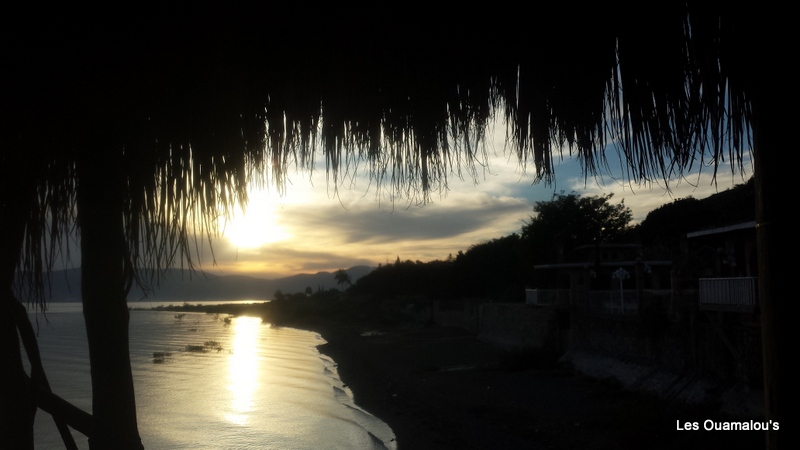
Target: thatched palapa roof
x=192 y=108
x=144 y=129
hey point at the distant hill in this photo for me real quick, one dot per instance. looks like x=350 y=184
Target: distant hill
x=184 y=286
x=669 y=223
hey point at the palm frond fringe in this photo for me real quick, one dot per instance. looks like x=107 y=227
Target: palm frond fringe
x=189 y=114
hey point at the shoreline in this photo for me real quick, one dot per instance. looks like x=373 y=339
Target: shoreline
x=443 y=388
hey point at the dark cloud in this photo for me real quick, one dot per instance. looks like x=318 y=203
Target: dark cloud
x=430 y=222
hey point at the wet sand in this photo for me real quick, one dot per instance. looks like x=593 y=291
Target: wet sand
x=441 y=388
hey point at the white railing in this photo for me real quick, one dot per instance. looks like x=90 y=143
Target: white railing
x=550 y=297
x=613 y=302
x=738 y=293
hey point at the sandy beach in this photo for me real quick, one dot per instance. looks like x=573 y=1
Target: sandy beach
x=442 y=388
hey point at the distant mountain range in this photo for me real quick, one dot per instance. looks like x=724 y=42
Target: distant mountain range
x=183 y=286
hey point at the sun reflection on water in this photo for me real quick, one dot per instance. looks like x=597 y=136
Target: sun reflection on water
x=243 y=368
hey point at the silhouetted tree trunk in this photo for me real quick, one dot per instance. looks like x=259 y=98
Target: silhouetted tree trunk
x=17 y=407
x=104 y=286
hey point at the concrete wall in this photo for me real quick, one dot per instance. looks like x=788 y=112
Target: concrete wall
x=721 y=345
x=695 y=356
x=671 y=349
x=678 y=338
x=463 y=313
x=520 y=326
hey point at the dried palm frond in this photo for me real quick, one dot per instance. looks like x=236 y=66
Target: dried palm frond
x=189 y=113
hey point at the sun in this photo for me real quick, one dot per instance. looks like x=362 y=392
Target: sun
x=257 y=225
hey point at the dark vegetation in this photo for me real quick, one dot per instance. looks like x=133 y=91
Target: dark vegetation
x=663 y=230
x=500 y=269
x=399 y=294
x=130 y=127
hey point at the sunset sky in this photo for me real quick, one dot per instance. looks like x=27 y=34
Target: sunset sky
x=309 y=228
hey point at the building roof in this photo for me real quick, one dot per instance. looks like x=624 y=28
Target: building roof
x=580 y=265
x=725 y=229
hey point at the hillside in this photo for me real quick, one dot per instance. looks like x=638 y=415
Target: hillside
x=184 y=286
x=668 y=224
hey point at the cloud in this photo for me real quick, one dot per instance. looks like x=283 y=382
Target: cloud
x=330 y=227
x=331 y=232
x=645 y=197
x=370 y=224
x=280 y=260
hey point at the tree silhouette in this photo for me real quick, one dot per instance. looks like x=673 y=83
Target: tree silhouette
x=569 y=220
x=144 y=134
x=491 y=269
x=342 y=277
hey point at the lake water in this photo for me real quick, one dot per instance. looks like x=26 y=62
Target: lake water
x=206 y=383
